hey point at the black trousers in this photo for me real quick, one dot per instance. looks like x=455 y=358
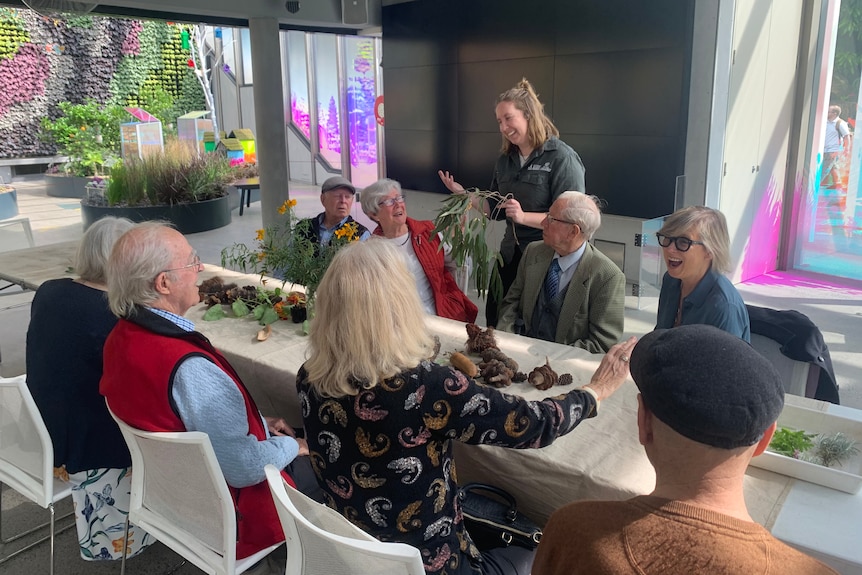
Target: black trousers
x=508 y=273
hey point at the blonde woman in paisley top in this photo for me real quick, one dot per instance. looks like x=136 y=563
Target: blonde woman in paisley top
x=380 y=421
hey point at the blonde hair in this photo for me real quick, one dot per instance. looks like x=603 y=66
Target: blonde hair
x=369 y=324
x=710 y=225
x=539 y=126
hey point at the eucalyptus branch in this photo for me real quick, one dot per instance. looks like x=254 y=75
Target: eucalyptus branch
x=464 y=227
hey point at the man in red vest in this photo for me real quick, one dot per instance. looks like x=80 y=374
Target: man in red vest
x=161 y=375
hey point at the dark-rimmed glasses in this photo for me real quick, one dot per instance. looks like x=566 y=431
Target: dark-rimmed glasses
x=551 y=219
x=389 y=202
x=196 y=263
x=682 y=243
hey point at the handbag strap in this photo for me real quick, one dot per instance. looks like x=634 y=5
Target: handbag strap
x=511 y=513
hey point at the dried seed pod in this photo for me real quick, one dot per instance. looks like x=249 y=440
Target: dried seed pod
x=566 y=379
x=478 y=340
x=519 y=377
x=463 y=364
x=543 y=377
x=496 y=373
x=436 y=350
x=494 y=353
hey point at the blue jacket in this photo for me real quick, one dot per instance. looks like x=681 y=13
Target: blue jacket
x=714 y=301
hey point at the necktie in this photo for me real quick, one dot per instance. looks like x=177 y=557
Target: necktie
x=552 y=280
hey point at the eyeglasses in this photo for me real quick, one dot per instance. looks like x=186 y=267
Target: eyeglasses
x=551 y=219
x=389 y=202
x=196 y=263
x=682 y=243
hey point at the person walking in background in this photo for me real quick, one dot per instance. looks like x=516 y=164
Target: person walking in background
x=566 y=290
x=696 y=249
x=69 y=322
x=534 y=168
x=836 y=142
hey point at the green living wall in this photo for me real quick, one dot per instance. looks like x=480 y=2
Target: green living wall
x=44 y=61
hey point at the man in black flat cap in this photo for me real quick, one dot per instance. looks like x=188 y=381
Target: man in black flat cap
x=337 y=195
x=708 y=403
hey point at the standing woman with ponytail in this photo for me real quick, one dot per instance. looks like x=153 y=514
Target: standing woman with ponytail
x=533 y=169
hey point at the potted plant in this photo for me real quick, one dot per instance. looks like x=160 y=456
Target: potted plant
x=175 y=185
x=8 y=201
x=88 y=135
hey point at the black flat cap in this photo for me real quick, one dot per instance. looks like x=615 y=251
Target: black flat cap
x=707 y=385
x=336 y=182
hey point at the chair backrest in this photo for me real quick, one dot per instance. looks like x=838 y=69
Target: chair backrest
x=26 y=451
x=798 y=377
x=321 y=540
x=180 y=496
x=11 y=239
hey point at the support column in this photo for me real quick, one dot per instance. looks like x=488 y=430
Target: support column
x=269 y=117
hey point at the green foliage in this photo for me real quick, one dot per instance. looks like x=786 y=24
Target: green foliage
x=87 y=133
x=464 y=228
x=288 y=251
x=79 y=21
x=848 y=57
x=834 y=449
x=12 y=32
x=791 y=442
x=174 y=176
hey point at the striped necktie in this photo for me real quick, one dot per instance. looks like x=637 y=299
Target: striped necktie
x=552 y=280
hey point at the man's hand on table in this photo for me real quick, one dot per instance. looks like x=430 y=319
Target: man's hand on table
x=613 y=370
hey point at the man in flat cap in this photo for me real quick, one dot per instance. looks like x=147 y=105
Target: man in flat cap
x=336 y=195
x=708 y=403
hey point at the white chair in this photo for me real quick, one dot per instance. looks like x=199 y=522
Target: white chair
x=321 y=540
x=180 y=496
x=27 y=457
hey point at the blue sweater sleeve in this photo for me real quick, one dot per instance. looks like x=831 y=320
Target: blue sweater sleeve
x=208 y=400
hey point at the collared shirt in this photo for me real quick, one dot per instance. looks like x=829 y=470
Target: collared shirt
x=569 y=265
x=180 y=321
x=714 y=301
x=325 y=234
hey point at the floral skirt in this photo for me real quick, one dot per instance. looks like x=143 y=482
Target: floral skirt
x=101 y=499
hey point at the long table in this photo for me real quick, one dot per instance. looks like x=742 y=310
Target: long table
x=30 y=267
x=599 y=459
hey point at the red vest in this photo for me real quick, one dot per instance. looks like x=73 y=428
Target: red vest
x=139 y=366
x=449 y=300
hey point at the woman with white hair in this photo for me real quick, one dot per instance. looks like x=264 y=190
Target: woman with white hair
x=69 y=322
x=432 y=268
x=381 y=420
x=696 y=249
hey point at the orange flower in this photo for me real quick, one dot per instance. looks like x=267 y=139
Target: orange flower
x=260 y=234
x=61 y=473
x=83 y=128
x=291 y=203
x=118 y=543
x=283 y=207
x=261 y=256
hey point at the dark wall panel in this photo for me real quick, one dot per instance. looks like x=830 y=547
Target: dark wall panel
x=613 y=76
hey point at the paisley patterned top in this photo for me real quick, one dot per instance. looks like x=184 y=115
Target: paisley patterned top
x=384 y=456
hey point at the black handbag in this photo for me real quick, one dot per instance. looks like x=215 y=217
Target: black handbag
x=492 y=523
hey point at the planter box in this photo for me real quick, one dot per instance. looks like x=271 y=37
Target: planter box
x=62 y=186
x=847 y=477
x=187 y=218
x=8 y=204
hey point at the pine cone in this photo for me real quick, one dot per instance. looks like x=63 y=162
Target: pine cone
x=494 y=353
x=566 y=379
x=543 y=377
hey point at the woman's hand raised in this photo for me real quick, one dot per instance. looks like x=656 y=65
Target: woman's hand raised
x=613 y=370
x=450 y=183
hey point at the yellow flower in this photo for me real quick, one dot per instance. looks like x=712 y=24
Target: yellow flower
x=261 y=256
x=282 y=208
x=348 y=231
x=291 y=203
x=260 y=235
x=288 y=204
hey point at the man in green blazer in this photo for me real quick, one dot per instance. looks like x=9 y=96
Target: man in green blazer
x=566 y=290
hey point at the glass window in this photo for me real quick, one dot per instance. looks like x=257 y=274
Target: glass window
x=360 y=63
x=829 y=227
x=298 y=82
x=326 y=83
x=245 y=48
x=228 y=51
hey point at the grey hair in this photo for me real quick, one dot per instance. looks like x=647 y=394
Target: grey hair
x=371 y=195
x=835 y=109
x=582 y=209
x=710 y=225
x=137 y=259
x=96 y=245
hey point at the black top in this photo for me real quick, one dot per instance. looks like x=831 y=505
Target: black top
x=69 y=323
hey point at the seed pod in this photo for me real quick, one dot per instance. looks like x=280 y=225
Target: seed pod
x=478 y=340
x=463 y=364
x=543 y=377
x=496 y=373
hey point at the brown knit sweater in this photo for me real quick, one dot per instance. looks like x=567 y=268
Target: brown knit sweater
x=648 y=535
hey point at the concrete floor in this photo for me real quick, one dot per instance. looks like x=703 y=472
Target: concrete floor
x=836 y=309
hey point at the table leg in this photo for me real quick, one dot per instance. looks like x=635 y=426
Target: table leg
x=242 y=200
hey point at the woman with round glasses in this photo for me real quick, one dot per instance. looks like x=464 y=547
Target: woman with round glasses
x=432 y=268
x=696 y=249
